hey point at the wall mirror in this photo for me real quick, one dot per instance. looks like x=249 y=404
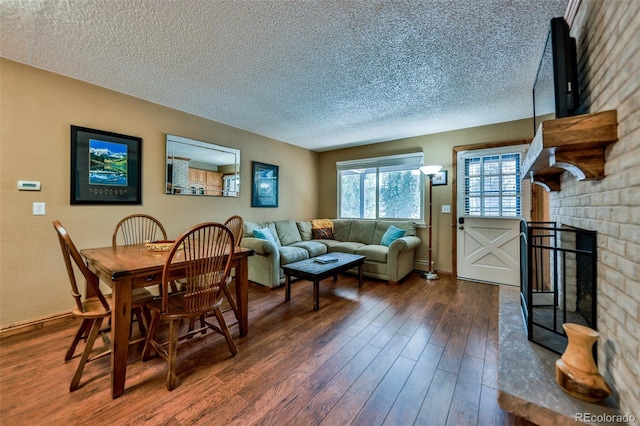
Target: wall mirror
x=201 y=168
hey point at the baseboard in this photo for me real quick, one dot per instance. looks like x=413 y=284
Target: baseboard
x=423 y=266
x=36 y=324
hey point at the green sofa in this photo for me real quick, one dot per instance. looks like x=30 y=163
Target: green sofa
x=294 y=240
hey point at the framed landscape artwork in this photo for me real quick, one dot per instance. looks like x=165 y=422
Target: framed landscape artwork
x=106 y=168
x=264 y=185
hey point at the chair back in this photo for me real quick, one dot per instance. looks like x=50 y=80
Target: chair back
x=138 y=228
x=72 y=256
x=207 y=251
x=235 y=225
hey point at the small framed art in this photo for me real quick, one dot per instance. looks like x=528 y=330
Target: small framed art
x=106 y=167
x=264 y=185
x=440 y=178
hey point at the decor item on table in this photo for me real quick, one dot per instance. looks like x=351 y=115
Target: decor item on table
x=440 y=178
x=106 y=168
x=160 y=245
x=431 y=172
x=264 y=185
x=576 y=372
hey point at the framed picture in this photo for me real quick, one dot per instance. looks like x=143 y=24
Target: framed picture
x=264 y=184
x=440 y=178
x=106 y=168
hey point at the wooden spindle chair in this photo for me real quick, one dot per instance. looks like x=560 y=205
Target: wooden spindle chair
x=93 y=309
x=205 y=252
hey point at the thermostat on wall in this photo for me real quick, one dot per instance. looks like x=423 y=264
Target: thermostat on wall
x=28 y=185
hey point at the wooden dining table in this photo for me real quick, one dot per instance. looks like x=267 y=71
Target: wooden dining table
x=125 y=268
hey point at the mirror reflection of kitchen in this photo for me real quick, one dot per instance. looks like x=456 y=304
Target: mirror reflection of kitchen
x=201 y=168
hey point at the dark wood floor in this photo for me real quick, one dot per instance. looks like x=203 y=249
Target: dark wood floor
x=418 y=353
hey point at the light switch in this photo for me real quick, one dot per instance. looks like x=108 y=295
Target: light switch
x=446 y=208
x=38 y=209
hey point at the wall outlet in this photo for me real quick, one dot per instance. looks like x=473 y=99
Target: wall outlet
x=446 y=208
x=38 y=209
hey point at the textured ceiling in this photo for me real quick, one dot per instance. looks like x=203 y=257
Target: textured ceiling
x=317 y=74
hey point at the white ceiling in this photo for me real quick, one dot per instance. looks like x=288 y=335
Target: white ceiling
x=317 y=74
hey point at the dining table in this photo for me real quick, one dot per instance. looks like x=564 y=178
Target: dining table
x=126 y=267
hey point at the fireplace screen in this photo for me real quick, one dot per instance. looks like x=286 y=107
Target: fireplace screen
x=558 y=281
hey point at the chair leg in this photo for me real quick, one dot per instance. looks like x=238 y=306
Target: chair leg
x=151 y=334
x=231 y=300
x=225 y=331
x=138 y=314
x=172 y=354
x=84 y=327
x=95 y=330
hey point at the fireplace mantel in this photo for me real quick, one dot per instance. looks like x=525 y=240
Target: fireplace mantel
x=570 y=144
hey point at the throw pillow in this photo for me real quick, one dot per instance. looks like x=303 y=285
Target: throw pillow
x=391 y=235
x=264 y=234
x=322 y=234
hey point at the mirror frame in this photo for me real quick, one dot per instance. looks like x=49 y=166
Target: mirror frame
x=205 y=157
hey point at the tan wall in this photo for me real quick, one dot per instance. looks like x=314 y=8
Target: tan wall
x=609 y=68
x=37 y=109
x=437 y=149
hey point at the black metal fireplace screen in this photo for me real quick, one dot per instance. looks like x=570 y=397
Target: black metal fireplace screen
x=557 y=281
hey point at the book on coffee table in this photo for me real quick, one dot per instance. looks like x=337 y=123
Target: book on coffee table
x=325 y=259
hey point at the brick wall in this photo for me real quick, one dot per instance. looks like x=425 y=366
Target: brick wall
x=609 y=68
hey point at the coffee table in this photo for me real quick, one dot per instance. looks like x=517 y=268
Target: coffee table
x=314 y=271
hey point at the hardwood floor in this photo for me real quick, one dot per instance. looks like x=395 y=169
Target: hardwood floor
x=421 y=353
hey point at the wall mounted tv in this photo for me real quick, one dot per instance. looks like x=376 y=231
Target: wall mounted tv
x=555 y=90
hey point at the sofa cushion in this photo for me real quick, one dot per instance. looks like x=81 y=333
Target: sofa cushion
x=287 y=232
x=313 y=247
x=289 y=254
x=391 y=235
x=305 y=230
x=383 y=225
x=374 y=253
x=264 y=234
x=341 y=229
x=249 y=227
x=322 y=234
x=345 y=247
x=362 y=231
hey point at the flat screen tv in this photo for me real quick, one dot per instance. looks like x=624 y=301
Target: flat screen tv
x=555 y=90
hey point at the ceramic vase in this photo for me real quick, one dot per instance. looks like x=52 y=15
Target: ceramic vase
x=576 y=372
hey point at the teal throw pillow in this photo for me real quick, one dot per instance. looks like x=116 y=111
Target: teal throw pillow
x=391 y=235
x=264 y=234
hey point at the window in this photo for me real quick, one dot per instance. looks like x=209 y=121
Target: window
x=492 y=185
x=381 y=188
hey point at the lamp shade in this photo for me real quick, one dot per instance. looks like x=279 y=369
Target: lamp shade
x=430 y=170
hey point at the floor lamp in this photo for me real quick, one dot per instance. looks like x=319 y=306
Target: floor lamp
x=430 y=171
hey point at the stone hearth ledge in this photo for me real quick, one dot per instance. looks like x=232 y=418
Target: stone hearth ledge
x=526 y=375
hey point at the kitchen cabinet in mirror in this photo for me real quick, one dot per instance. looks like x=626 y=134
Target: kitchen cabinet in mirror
x=200 y=168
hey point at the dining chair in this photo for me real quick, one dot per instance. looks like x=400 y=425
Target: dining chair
x=93 y=309
x=235 y=225
x=204 y=252
x=138 y=228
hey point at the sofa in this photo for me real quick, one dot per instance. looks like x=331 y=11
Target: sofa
x=388 y=257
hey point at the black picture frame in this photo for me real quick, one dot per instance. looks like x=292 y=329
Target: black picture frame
x=440 y=178
x=264 y=185
x=106 y=167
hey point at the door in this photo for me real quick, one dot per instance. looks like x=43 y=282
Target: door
x=492 y=198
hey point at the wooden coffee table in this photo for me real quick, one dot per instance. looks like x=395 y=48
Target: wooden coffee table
x=316 y=272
